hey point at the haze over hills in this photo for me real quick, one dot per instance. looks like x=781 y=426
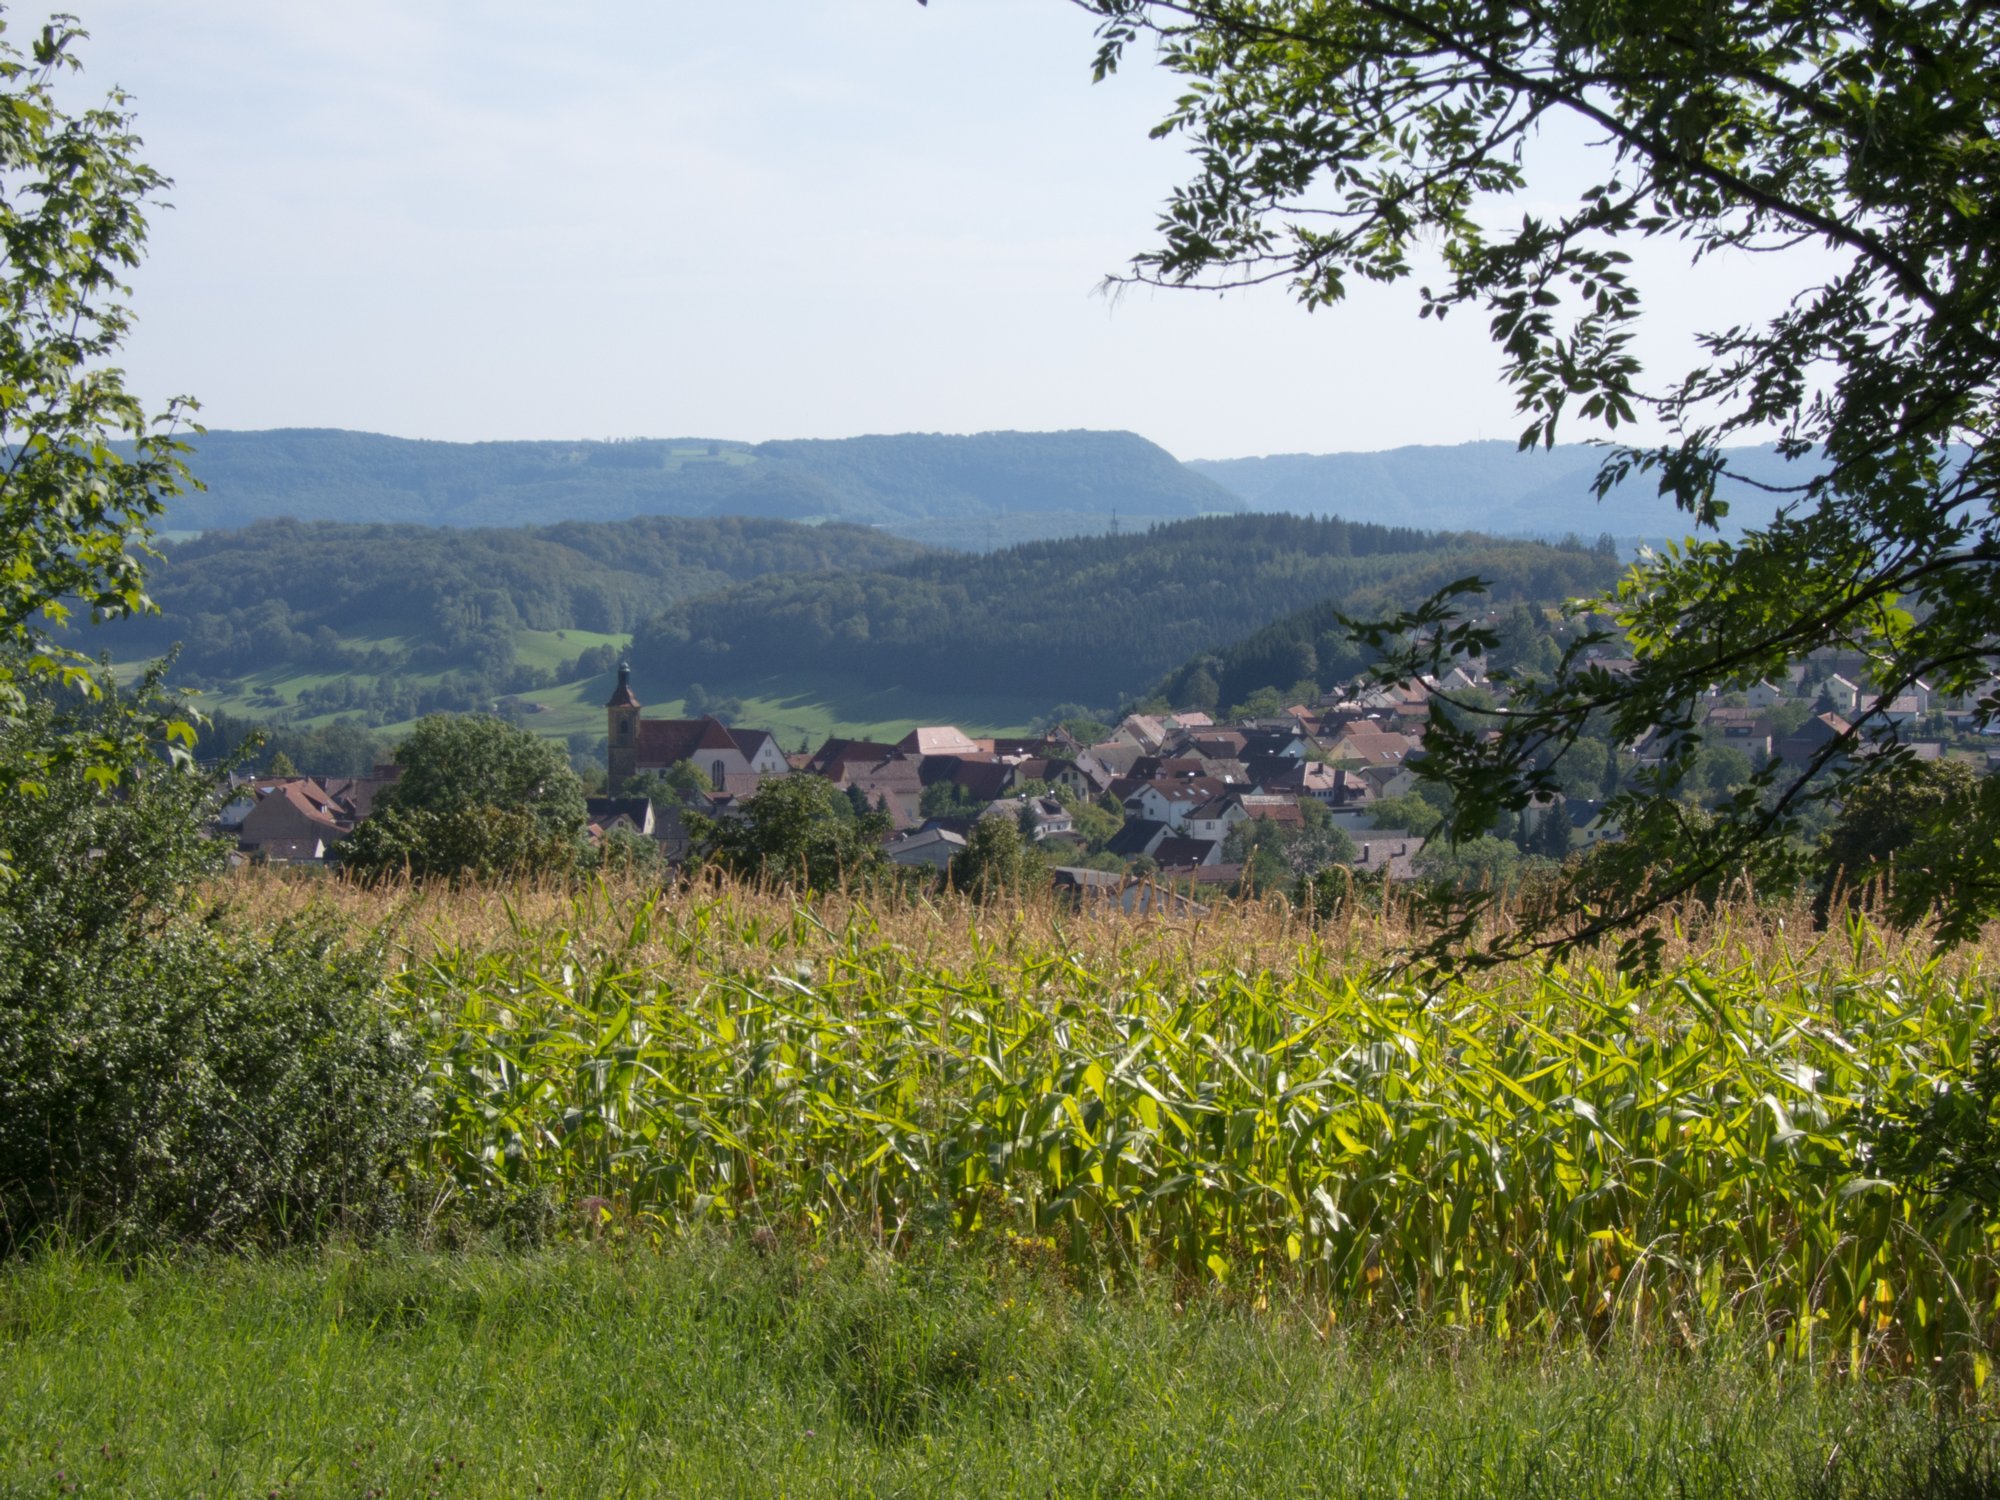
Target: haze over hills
x=1491 y=486
x=998 y=484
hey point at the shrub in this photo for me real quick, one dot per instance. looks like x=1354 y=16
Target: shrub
x=164 y=1082
x=191 y=1090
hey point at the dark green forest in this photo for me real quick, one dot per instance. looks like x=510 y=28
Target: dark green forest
x=1089 y=619
x=376 y=606
x=1059 y=478
x=1313 y=646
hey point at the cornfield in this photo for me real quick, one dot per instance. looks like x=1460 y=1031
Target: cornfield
x=1540 y=1152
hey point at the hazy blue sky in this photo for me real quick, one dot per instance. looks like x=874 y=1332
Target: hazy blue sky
x=721 y=218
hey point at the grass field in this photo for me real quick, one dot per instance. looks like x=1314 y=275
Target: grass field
x=716 y=1367
x=551 y=649
x=795 y=709
x=799 y=709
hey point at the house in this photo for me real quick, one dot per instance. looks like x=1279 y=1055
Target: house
x=982 y=780
x=1138 y=836
x=620 y=814
x=832 y=757
x=1080 y=775
x=1099 y=890
x=1764 y=694
x=1389 y=781
x=1187 y=854
x=1390 y=850
x=1841 y=695
x=1810 y=738
x=1170 y=802
x=729 y=758
x=895 y=784
x=1141 y=731
x=1165 y=768
x=294 y=822
x=1367 y=743
x=1747 y=729
x=1278 y=809
x=941 y=739
x=355 y=795
x=1214 y=818
x=1052 y=819
x=1288 y=743
x=936 y=847
x=1117 y=757
x=1219 y=744
x=1586 y=817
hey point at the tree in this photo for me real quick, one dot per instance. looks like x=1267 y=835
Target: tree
x=166 y=1080
x=993 y=864
x=1409 y=812
x=668 y=785
x=1922 y=830
x=454 y=761
x=947 y=799
x=477 y=798
x=75 y=512
x=1334 y=139
x=795 y=829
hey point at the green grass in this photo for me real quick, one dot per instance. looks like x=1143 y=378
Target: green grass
x=711 y=1369
x=797 y=708
x=550 y=649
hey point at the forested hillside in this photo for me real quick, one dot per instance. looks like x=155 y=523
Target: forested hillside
x=1089 y=620
x=1050 y=481
x=1312 y=646
x=390 y=621
x=1490 y=486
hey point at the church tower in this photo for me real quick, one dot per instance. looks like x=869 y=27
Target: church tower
x=622 y=712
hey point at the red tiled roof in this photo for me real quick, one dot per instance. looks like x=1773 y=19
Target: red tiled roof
x=667 y=741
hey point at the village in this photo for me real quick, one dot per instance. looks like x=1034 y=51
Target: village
x=1168 y=800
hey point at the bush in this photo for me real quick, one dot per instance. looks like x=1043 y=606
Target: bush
x=458 y=843
x=165 y=1083
x=796 y=830
x=187 y=1090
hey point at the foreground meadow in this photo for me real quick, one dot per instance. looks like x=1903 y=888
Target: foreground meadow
x=722 y=1192
x=707 y=1368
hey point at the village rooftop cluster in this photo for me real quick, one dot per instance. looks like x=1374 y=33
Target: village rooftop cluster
x=1174 y=798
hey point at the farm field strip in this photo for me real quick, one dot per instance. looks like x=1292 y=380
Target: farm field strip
x=1528 y=1154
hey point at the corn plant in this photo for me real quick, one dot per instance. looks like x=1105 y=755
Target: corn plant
x=1533 y=1152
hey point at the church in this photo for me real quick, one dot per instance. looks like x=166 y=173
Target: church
x=733 y=760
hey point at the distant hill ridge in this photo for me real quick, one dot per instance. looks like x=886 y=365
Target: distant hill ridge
x=1051 y=480
x=973 y=492
x=1488 y=486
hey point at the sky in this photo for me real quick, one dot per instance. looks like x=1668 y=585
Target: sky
x=745 y=219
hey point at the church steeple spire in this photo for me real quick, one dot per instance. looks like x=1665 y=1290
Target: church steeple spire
x=622 y=696
x=621 y=715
